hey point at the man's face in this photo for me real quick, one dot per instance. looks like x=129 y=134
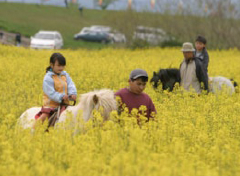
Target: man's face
x=188 y=55
x=137 y=86
x=199 y=46
x=57 y=68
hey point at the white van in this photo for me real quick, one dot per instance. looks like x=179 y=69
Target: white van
x=151 y=35
x=47 y=40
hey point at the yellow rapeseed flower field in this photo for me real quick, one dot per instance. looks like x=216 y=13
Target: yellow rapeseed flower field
x=192 y=135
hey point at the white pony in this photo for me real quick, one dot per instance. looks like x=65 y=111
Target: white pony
x=220 y=83
x=88 y=102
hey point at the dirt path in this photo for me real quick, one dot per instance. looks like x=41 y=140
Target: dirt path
x=7 y=38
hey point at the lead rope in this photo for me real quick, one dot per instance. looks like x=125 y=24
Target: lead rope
x=58 y=113
x=54 y=118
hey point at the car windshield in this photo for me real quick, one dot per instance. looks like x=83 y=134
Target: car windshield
x=44 y=36
x=85 y=31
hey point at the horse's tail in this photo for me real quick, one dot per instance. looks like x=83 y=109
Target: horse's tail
x=235 y=84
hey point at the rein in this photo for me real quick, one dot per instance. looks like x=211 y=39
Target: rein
x=56 y=114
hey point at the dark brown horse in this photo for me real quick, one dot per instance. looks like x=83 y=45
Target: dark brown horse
x=167 y=77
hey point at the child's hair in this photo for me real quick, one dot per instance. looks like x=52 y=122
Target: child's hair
x=201 y=39
x=56 y=57
x=143 y=79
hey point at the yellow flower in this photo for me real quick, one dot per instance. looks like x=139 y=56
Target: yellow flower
x=190 y=134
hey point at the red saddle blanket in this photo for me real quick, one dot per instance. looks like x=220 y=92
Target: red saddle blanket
x=49 y=111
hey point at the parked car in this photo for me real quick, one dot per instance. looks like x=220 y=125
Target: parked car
x=153 y=36
x=47 y=40
x=94 y=36
x=88 y=34
x=101 y=28
x=83 y=31
x=117 y=36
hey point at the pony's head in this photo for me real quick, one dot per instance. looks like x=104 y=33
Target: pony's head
x=97 y=99
x=167 y=77
x=155 y=80
x=235 y=84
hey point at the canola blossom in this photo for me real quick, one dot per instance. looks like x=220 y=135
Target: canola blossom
x=191 y=134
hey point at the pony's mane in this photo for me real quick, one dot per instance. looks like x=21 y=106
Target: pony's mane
x=106 y=100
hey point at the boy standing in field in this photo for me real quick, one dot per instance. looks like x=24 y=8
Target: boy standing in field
x=201 y=51
x=133 y=96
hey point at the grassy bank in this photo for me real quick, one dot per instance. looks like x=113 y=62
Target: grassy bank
x=29 y=18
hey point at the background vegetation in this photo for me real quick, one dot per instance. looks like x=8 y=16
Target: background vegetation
x=221 y=32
